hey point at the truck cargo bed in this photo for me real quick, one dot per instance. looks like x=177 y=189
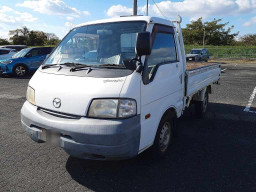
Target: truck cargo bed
x=194 y=65
x=199 y=75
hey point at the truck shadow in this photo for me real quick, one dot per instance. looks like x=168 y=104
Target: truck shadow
x=206 y=155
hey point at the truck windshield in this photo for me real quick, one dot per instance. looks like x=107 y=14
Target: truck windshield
x=108 y=43
x=195 y=51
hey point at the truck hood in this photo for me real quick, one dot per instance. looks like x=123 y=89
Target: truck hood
x=191 y=55
x=75 y=93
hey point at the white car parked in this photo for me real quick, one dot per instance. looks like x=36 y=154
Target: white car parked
x=6 y=53
x=126 y=99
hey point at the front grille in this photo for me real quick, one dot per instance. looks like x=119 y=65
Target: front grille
x=58 y=114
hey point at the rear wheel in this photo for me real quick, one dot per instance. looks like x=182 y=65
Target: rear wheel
x=163 y=137
x=201 y=106
x=20 y=70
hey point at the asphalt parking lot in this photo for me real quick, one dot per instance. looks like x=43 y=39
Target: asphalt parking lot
x=212 y=154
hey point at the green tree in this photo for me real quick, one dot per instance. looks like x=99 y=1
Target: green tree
x=249 y=39
x=216 y=33
x=19 y=36
x=4 y=42
x=52 y=39
x=36 y=38
x=19 y=40
x=193 y=33
x=24 y=36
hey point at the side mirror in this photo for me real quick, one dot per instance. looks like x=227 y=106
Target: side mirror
x=143 y=44
x=130 y=64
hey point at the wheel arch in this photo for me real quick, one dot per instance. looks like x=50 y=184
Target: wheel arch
x=170 y=112
x=199 y=96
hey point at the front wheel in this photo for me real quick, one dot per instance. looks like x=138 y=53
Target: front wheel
x=20 y=71
x=163 y=137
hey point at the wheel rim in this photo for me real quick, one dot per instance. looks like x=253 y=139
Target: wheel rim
x=165 y=137
x=20 y=71
x=205 y=102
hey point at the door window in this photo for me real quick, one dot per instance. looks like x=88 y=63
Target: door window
x=163 y=52
x=35 y=52
x=46 y=51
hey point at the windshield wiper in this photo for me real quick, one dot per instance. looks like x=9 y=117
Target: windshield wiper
x=90 y=67
x=75 y=68
x=111 y=65
x=61 y=64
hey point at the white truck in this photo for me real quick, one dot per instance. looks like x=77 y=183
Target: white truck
x=113 y=88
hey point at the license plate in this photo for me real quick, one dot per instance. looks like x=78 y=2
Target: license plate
x=50 y=137
x=190 y=59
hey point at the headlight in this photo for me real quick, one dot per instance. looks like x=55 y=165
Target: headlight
x=31 y=95
x=6 y=62
x=127 y=108
x=112 y=108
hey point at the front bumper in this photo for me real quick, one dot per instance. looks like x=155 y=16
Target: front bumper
x=83 y=137
x=192 y=59
x=4 y=70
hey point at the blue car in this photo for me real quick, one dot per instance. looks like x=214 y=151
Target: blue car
x=25 y=61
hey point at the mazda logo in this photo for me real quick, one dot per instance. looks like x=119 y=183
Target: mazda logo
x=56 y=103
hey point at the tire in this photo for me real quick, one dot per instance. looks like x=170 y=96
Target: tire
x=201 y=106
x=163 y=138
x=20 y=70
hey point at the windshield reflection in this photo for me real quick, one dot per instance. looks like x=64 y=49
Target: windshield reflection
x=108 y=43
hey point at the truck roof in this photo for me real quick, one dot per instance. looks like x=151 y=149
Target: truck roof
x=148 y=19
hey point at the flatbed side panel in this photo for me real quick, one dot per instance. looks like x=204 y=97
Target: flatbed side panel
x=199 y=78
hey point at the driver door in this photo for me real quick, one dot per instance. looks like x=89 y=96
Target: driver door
x=163 y=84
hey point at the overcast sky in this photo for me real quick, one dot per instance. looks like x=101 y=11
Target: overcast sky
x=58 y=16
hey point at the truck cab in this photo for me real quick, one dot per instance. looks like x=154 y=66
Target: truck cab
x=113 y=88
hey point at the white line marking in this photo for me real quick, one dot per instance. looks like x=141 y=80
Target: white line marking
x=6 y=96
x=247 y=108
